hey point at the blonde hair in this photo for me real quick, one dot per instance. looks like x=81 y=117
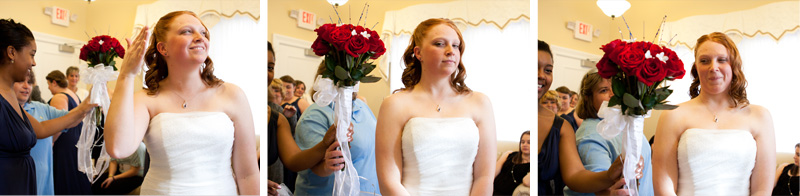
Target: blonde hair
x=551 y=95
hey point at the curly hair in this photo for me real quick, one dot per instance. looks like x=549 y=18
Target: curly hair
x=413 y=70
x=738 y=84
x=157 y=65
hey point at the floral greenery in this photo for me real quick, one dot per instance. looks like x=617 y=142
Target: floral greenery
x=102 y=49
x=636 y=75
x=346 y=49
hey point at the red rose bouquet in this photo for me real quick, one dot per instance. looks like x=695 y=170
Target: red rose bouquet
x=636 y=70
x=346 y=49
x=102 y=50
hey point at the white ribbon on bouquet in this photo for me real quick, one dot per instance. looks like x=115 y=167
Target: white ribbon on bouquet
x=632 y=128
x=97 y=76
x=346 y=182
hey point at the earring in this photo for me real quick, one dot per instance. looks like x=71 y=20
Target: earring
x=12 y=61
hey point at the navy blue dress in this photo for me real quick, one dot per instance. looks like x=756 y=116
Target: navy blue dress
x=17 y=170
x=67 y=179
x=550 y=181
x=570 y=118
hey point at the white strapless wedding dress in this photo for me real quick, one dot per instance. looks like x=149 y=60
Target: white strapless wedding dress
x=190 y=154
x=715 y=162
x=438 y=154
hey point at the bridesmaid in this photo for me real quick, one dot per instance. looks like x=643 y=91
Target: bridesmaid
x=18 y=129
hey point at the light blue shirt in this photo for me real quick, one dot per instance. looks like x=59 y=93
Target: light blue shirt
x=597 y=154
x=42 y=152
x=312 y=127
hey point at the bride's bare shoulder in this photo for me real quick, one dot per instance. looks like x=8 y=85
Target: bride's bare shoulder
x=677 y=114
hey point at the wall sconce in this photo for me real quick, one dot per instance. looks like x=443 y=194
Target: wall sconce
x=337 y=3
x=613 y=8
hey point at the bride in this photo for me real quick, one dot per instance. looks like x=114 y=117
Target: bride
x=198 y=130
x=717 y=143
x=435 y=136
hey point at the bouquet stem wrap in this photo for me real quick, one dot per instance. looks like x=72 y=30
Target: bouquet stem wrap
x=346 y=181
x=631 y=127
x=97 y=76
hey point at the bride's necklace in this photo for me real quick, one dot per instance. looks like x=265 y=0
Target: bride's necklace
x=438 y=108
x=712 y=113
x=184 y=100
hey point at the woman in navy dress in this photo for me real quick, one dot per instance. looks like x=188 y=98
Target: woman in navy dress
x=18 y=129
x=67 y=179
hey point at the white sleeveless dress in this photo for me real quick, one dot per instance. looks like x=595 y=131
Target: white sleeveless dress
x=190 y=154
x=715 y=162
x=438 y=154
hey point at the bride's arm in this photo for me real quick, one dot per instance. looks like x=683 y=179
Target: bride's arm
x=388 y=152
x=128 y=118
x=483 y=169
x=665 y=154
x=761 y=181
x=245 y=165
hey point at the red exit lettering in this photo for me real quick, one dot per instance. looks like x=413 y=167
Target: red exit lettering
x=308 y=17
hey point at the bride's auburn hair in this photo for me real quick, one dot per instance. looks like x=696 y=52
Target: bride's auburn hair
x=157 y=66
x=413 y=70
x=736 y=91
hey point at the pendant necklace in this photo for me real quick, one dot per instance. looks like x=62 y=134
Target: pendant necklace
x=712 y=113
x=184 y=100
x=438 y=108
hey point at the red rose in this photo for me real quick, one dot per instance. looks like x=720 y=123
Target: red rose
x=357 y=45
x=378 y=48
x=84 y=53
x=630 y=59
x=606 y=68
x=320 y=47
x=94 y=46
x=651 y=72
x=340 y=37
x=324 y=32
x=608 y=48
x=654 y=49
x=674 y=65
x=105 y=47
x=118 y=48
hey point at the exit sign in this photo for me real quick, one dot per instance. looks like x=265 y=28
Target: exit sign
x=306 y=20
x=583 y=31
x=60 y=16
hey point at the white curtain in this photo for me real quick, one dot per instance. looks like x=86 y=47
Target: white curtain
x=500 y=64
x=239 y=58
x=770 y=68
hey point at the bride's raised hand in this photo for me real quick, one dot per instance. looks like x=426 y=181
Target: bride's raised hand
x=135 y=54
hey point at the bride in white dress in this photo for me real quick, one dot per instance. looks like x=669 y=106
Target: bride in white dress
x=435 y=136
x=717 y=143
x=198 y=129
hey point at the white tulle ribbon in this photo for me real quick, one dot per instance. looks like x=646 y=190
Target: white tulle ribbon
x=97 y=76
x=346 y=182
x=632 y=129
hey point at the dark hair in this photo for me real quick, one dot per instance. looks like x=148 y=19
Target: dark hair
x=738 y=84
x=72 y=69
x=13 y=34
x=158 y=66
x=795 y=168
x=518 y=158
x=287 y=79
x=585 y=107
x=298 y=82
x=413 y=71
x=564 y=89
x=59 y=77
x=269 y=48
x=543 y=46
